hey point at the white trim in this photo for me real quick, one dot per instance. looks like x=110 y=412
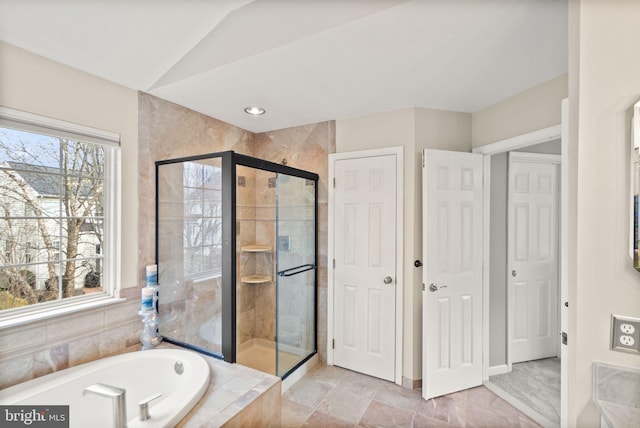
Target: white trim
x=113 y=223
x=564 y=264
x=536 y=137
x=486 y=262
x=60 y=309
x=535 y=157
x=529 y=139
x=635 y=130
x=16 y=119
x=634 y=155
x=498 y=370
x=532 y=138
x=24 y=121
x=333 y=157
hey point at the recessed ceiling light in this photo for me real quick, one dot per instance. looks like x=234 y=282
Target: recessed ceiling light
x=254 y=111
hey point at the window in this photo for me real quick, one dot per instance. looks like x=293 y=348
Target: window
x=202 y=237
x=58 y=200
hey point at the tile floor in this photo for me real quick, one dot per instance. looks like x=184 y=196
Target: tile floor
x=331 y=396
x=535 y=384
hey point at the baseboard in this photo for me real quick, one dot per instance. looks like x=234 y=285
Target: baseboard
x=498 y=370
x=411 y=383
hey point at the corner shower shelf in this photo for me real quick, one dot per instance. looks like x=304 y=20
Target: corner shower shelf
x=256 y=248
x=255 y=279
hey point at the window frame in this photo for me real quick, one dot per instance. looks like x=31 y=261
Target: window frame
x=30 y=122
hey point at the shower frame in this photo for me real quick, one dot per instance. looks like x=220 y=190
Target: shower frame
x=229 y=161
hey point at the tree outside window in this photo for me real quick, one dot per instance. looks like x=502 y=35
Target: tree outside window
x=51 y=218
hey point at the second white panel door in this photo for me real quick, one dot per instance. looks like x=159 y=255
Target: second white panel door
x=365 y=265
x=533 y=256
x=452 y=299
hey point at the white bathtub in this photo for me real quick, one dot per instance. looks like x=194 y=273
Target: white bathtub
x=142 y=374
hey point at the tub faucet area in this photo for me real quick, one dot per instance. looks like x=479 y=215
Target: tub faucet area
x=119 y=401
x=143 y=407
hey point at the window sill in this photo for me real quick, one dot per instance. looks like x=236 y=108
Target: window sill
x=40 y=314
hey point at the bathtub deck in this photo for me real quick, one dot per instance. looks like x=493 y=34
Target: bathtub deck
x=237 y=396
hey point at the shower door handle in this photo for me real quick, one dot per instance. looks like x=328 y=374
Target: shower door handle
x=296 y=270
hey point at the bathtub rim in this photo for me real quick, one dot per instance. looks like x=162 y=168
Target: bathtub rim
x=16 y=393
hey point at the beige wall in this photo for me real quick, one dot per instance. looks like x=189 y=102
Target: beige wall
x=536 y=108
x=607 y=85
x=414 y=129
x=36 y=85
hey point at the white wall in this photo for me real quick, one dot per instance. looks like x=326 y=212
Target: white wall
x=414 y=129
x=34 y=84
x=605 y=83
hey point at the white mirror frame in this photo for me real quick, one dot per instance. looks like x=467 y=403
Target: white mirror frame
x=634 y=159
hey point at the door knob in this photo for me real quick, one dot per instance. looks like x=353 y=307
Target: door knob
x=514 y=273
x=433 y=288
x=387 y=280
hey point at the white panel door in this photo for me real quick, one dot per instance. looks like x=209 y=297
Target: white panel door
x=365 y=265
x=452 y=299
x=533 y=255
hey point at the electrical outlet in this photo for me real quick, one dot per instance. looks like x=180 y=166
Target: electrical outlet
x=627 y=328
x=625 y=334
x=627 y=340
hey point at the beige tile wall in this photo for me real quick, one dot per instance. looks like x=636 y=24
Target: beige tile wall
x=169 y=131
x=42 y=347
x=165 y=131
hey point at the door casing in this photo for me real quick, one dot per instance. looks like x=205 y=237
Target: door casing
x=536 y=137
x=333 y=157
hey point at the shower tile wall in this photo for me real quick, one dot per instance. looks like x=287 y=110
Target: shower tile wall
x=265 y=323
x=255 y=224
x=167 y=130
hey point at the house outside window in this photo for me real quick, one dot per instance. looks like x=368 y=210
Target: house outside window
x=56 y=214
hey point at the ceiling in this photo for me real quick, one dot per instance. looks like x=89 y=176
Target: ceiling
x=304 y=61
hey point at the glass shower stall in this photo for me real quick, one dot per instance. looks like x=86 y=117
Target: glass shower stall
x=236 y=248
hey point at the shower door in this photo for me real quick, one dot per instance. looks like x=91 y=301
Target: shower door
x=296 y=267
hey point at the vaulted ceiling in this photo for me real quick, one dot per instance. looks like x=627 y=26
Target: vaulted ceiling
x=303 y=61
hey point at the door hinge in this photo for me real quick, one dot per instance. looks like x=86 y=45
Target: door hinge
x=564 y=338
x=334 y=182
x=333 y=344
x=423 y=286
x=334 y=263
x=423 y=158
